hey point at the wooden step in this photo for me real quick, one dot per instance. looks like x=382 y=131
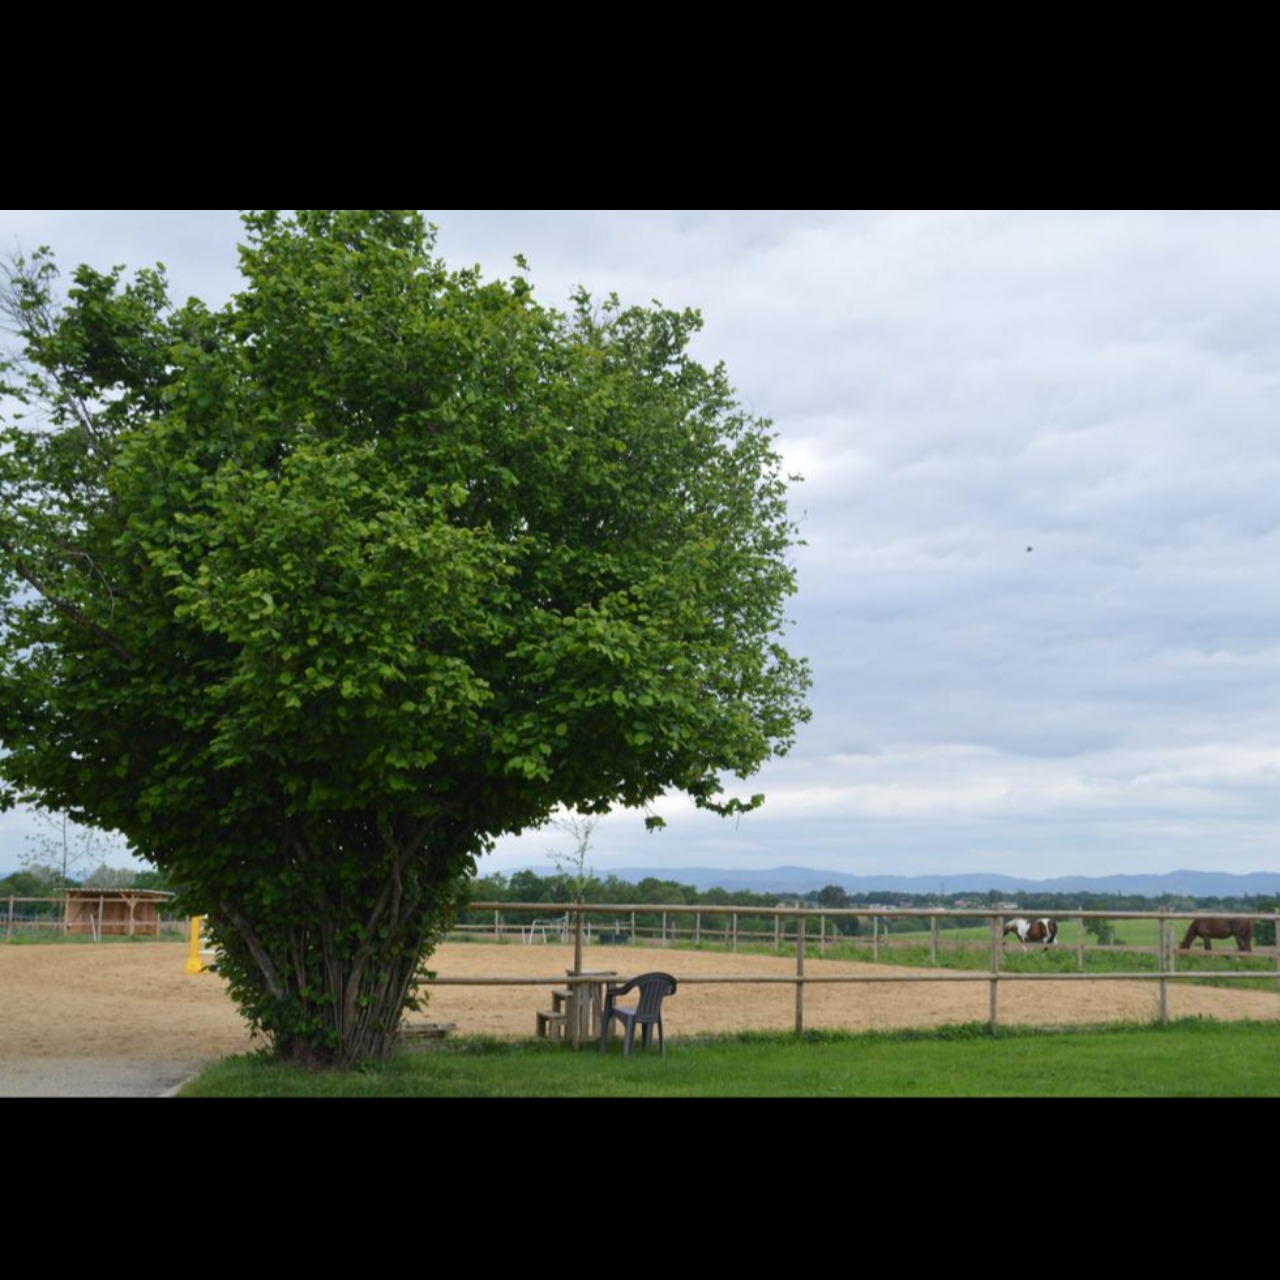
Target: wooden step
x=417 y=1035
x=551 y=1022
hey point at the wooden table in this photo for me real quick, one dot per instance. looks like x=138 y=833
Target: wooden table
x=586 y=1002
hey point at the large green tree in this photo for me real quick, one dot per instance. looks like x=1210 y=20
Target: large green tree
x=314 y=596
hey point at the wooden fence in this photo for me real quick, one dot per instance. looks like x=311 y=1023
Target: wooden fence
x=793 y=927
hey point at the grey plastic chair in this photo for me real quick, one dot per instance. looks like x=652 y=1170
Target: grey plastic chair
x=647 y=1014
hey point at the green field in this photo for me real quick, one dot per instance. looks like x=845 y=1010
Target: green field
x=56 y=937
x=1129 y=933
x=1193 y=1058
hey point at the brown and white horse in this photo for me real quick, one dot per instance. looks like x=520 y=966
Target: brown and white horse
x=1042 y=930
x=1229 y=927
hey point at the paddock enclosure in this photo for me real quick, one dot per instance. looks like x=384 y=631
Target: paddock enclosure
x=96 y=913
x=135 y=999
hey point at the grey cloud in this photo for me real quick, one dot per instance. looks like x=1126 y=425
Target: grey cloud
x=956 y=387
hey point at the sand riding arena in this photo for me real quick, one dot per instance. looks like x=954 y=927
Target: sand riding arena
x=135 y=1000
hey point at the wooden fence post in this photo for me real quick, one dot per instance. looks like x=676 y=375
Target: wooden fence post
x=933 y=938
x=800 y=975
x=577 y=992
x=1162 y=947
x=993 y=1017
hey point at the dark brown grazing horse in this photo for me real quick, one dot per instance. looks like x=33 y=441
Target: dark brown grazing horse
x=1231 y=927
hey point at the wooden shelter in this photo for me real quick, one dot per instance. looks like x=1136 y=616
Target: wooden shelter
x=115 y=912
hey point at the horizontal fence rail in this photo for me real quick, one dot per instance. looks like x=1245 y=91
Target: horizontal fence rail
x=799 y=930
x=792 y=927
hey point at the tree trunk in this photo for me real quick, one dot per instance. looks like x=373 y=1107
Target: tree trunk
x=328 y=975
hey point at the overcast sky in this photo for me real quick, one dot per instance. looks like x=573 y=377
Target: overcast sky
x=1041 y=507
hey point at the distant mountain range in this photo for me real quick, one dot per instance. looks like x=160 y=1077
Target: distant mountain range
x=783 y=880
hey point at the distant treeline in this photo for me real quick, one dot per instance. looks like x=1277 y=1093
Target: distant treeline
x=557 y=889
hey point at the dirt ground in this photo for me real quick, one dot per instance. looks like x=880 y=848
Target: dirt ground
x=127 y=1019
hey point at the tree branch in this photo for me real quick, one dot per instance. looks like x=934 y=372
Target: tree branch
x=65 y=607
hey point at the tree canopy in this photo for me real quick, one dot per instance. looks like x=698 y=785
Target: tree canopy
x=315 y=595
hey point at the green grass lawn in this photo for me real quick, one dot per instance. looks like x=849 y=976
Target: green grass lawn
x=1191 y=1058
x=50 y=937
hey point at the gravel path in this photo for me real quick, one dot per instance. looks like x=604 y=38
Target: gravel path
x=95 y=1077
